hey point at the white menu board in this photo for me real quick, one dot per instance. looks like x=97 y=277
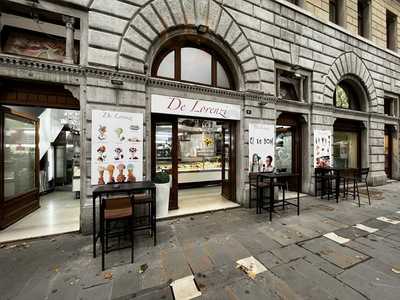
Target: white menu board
x=322 y=148
x=117 y=147
x=261 y=147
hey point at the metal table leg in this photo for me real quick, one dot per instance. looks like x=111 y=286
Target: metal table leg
x=94 y=225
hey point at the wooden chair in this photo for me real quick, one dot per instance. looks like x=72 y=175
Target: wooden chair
x=116 y=210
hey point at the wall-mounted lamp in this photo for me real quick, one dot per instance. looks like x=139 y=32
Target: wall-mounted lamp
x=297 y=75
x=202 y=29
x=117 y=82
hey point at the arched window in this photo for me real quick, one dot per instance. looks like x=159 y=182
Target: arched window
x=346 y=96
x=192 y=62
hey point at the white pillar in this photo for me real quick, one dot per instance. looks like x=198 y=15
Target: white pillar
x=69 y=39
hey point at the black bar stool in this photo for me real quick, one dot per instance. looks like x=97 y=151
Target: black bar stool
x=355 y=177
x=145 y=216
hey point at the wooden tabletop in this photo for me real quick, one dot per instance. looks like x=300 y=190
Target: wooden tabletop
x=277 y=175
x=124 y=187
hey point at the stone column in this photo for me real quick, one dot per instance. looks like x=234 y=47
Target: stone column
x=69 y=39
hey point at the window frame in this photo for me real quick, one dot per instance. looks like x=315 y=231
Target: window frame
x=177 y=45
x=391 y=102
x=304 y=81
x=391 y=31
x=364 y=18
x=337 y=16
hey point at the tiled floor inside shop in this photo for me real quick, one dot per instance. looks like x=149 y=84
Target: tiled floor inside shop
x=58 y=213
x=199 y=200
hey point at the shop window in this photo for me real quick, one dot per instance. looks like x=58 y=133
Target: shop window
x=190 y=62
x=283 y=148
x=363 y=8
x=391 y=31
x=345 y=149
x=292 y=85
x=345 y=97
x=347 y=143
x=390 y=107
x=19 y=154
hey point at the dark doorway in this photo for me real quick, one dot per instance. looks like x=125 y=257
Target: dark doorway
x=388 y=144
x=289 y=145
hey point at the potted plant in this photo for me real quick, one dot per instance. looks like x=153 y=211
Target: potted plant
x=162 y=182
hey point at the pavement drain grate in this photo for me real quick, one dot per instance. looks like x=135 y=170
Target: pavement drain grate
x=251 y=266
x=387 y=220
x=336 y=238
x=366 y=228
x=185 y=288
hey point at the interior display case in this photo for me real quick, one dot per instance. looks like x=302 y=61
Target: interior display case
x=19 y=168
x=199 y=157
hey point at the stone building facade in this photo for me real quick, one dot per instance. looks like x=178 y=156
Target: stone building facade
x=120 y=39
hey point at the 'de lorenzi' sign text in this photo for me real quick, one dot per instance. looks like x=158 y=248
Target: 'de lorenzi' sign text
x=194 y=107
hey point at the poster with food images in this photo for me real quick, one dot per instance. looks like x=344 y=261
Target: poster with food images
x=261 y=147
x=117 y=147
x=322 y=148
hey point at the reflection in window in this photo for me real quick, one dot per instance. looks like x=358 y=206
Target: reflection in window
x=222 y=78
x=167 y=66
x=347 y=95
x=19 y=157
x=342 y=99
x=195 y=65
x=283 y=148
x=345 y=149
x=291 y=85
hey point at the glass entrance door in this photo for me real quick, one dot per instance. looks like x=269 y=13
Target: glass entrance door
x=228 y=161
x=165 y=154
x=388 y=143
x=19 y=169
x=197 y=153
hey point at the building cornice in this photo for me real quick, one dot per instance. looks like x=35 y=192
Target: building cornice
x=385 y=118
x=39 y=65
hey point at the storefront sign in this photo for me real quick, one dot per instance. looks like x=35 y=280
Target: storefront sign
x=117 y=147
x=322 y=148
x=261 y=147
x=193 y=107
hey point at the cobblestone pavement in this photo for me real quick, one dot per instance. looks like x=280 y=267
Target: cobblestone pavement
x=301 y=263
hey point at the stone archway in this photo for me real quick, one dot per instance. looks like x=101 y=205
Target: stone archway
x=350 y=65
x=148 y=23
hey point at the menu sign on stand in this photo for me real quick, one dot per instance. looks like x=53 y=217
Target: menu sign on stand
x=322 y=148
x=117 y=147
x=261 y=147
